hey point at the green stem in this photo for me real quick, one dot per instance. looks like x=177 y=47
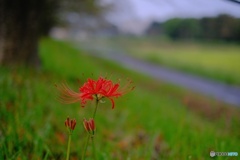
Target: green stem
x=85 y=147
x=93 y=147
x=89 y=135
x=69 y=143
x=94 y=114
x=95 y=110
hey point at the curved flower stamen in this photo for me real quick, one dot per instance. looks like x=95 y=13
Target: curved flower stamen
x=67 y=95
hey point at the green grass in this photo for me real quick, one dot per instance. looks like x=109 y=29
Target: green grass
x=219 y=61
x=154 y=121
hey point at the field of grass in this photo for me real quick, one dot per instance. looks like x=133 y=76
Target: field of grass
x=219 y=61
x=154 y=121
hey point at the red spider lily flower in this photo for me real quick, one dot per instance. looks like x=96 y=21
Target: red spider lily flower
x=98 y=89
x=70 y=124
x=89 y=125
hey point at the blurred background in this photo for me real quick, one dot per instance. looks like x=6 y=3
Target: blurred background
x=183 y=56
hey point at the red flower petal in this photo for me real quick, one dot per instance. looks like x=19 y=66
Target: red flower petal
x=113 y=104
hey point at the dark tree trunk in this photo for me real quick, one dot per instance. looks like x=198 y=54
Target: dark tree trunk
x=21 y=23
x=19 y=43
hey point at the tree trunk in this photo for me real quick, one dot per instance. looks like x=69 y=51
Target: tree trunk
x=19 y=32
x=19 y=45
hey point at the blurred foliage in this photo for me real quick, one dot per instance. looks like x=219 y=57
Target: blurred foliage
x=182 y=28
x=223 y=27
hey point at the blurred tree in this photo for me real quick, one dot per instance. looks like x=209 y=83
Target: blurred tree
x=22 y=23
x=171 y=27
x=223 y=27
x=208 y=28
x=182 y=28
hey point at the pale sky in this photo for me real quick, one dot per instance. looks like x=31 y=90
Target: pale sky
x=135 y=15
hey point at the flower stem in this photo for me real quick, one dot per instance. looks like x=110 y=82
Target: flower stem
x=85 y=147
x=90 y=135
x=93 y=147
x=69 y=143
x=95 y=110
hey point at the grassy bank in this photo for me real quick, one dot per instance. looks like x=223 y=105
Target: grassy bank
x=155 y=120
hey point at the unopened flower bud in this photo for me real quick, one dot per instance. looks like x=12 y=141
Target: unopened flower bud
x=70 y=124
x=89 y=125
x=73 y=124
